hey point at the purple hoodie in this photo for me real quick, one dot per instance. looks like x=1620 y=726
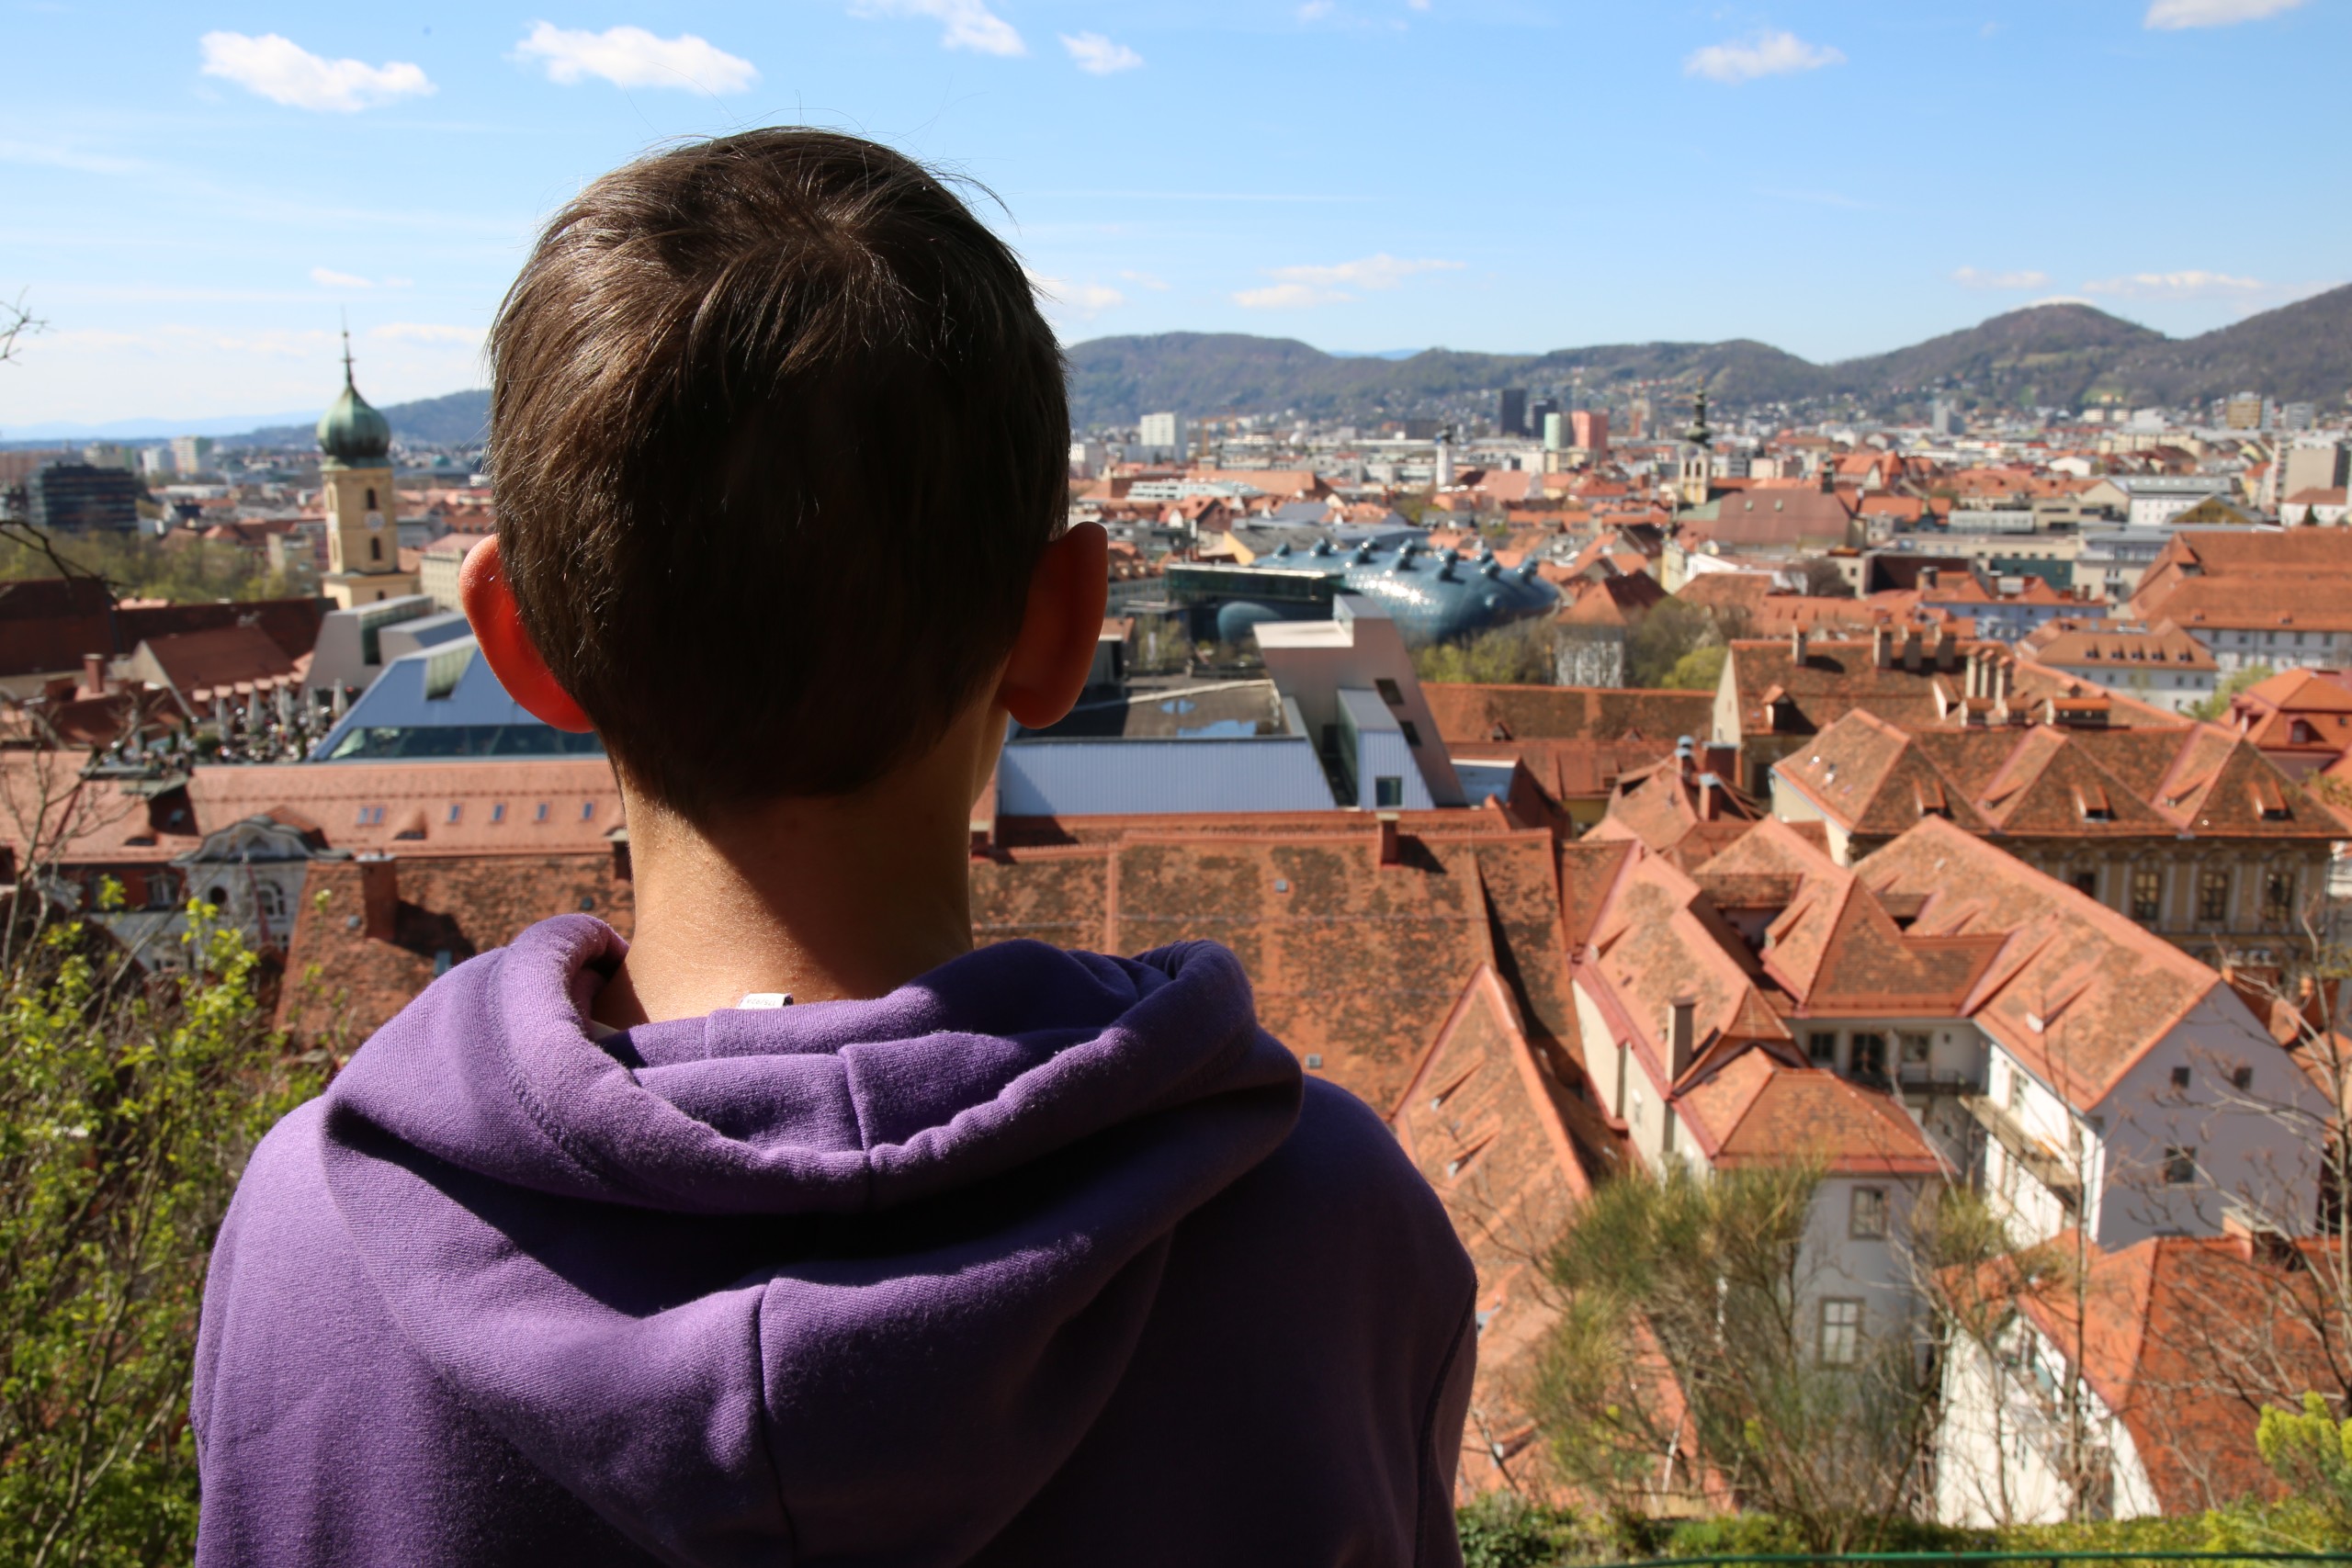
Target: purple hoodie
x=1045 y=1257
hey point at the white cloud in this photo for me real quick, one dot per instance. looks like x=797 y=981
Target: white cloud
x=1298 y=286
x=285 y=72
x=966 y=24
x=1418 y=4
x=1969 y=277
x=1098 y=56
x=1765 y=54
x=1285 y=296
x=1145 y=280
x=1316 y=10
x=2170 y=16
x=425 y=332
x=632 y=57
x=52 y=157
x=327 y=277
x=1084 y=301
x=2176 y=285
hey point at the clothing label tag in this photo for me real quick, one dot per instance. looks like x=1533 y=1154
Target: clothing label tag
x=767 y=999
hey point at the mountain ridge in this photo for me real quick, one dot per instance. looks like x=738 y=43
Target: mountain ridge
x=2056 y=355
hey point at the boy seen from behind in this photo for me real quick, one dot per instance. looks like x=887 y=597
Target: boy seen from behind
x=795 y=1230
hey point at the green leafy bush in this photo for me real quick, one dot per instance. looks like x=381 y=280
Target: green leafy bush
x=127 y=1102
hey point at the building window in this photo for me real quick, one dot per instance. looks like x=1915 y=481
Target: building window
x=1389 y=693
x=2278 y=895
x=270 y=900
x=2214 y=896
x=1915 y=1049
x=162 y=890
x=2180 y=1166
x=498 y=812
x=1841 y=1333
x=2147 y=894
x=371 y=498
x=1868 y=1220
x=375 y=549
x=587 y=811
x=1388 y=789
x=454 y=811
x=372 y=816
x=541 y=814
x=2016 y=1092
x=1822 y=1049
x=1412 y=735
x=2180 y=1080
x=2086 y=883
x=1868 y=1059
x=2242 y=1079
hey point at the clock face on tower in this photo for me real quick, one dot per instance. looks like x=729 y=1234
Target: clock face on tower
x=376 y=520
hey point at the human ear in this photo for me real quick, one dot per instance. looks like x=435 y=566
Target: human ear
x=1050 y=658
x=497 y=621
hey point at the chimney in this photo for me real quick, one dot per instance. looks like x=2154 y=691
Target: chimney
x=94 y=675
x=1391 y=851
x=1881 y=644
x=1796 y=645
x=379 y=896
x=1946 y=649
x=1996 y=674
x=1911 y=650
x=1929 y=578
x=1684 y=1043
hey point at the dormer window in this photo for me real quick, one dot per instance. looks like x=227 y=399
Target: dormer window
x=2092 y=803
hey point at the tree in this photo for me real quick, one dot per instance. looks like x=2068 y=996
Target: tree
x=1682 y=1371
x=1672 y=630
x=1823 y=579
x=132 y=1086
x=16 y=323
x=2217 y=706
x=1519 y=654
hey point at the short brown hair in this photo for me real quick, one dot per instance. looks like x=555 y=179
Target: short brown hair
x=778 y=435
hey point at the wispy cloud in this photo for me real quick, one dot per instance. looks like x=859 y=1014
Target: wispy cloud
x=425 y=332
x=1296 y=287
x=2177 y=286
x=1970 y=277
x=1145 y=280
x=964 y=24
x=285 y=72
x=327 y=277
x=1098 y=56
x=1764 y=54
x=632 y=57
x=2171 y=16
x=1316 y=10
x=43 y=155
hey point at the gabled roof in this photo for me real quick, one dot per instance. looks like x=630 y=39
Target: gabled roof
x=1512 y=1151
x=2080 y=993
x=1757 y=1110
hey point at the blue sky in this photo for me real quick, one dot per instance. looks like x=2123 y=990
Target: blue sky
x=191 y=194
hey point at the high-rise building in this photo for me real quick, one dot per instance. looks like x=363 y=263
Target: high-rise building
x=1512 y=418
x=190 y=454
x=2244 y=412
x=363 y=506
x=1162 y=438
x=82 y=498
x=1537 y=410
x=1941 y=417
x=1591 y=426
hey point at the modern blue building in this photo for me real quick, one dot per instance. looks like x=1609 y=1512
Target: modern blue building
x=1433 y=596
x=440 y=702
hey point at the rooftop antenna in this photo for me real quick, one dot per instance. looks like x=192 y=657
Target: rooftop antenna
x=346 y=347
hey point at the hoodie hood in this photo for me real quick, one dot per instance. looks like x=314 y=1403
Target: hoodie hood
x=856 y=1276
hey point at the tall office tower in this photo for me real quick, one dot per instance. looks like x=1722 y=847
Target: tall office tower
x=1513 y=414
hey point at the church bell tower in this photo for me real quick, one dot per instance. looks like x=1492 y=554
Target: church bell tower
x=363 y=507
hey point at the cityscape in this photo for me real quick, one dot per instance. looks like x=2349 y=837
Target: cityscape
x=1908 y=794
